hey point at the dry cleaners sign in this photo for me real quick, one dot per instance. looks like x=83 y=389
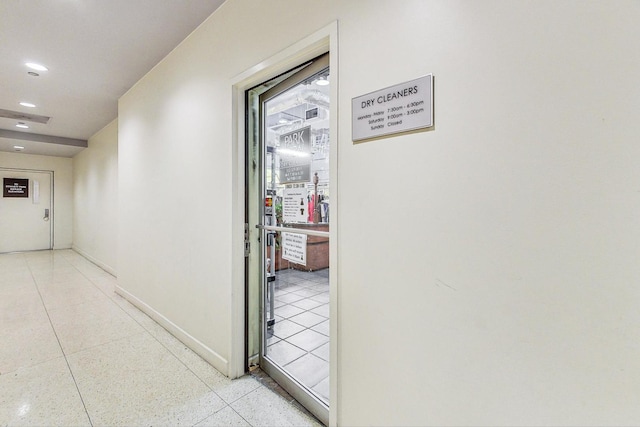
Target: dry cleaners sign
x=400 y=108
x=15 y=187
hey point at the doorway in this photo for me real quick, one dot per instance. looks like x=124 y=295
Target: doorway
x=288 y=202
x=26 y=211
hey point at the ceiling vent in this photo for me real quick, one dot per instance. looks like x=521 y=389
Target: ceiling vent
x=24 y=117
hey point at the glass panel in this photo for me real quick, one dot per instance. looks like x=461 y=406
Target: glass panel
x=296 y=182
x=298 y=322
x=297 y=154
x=253 y=211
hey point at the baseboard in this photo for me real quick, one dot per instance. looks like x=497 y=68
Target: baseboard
x=214 y=359
x=97 y=262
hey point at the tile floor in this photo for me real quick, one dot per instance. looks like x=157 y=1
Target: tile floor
x=74 y=353
x=299 y=341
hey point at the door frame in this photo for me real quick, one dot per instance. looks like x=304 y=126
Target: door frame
x=322 y=41
x=51 y=199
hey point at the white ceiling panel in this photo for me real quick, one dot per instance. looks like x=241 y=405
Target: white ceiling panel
x=95 y=51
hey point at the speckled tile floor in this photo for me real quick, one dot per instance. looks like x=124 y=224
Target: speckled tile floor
x=75 y=353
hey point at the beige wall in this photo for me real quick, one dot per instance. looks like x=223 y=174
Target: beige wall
x=63 y=190
x=95 y=204
x=487 y=269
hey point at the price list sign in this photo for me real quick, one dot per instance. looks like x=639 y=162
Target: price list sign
x=400 y=108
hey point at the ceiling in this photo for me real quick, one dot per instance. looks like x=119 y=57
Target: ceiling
x=95 y=50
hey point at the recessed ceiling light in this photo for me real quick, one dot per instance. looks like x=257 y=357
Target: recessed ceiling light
x=28 y=104
x=22 y=126
x=36 y=67
x=18 y=147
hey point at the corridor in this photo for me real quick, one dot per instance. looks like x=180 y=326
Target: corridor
x=75 y=353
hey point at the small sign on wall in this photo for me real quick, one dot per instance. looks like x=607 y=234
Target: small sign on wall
x=15 y=187
x=36 y=192
x=401 y=108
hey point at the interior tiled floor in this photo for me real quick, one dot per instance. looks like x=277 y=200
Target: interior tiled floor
x=74 y=353
x=300 y=338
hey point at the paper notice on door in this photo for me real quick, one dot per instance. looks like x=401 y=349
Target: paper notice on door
x=294 y=248
x=295 y=205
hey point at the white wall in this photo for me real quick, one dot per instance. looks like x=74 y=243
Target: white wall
x=487 y=269
x=95 y=204
x=63 y=190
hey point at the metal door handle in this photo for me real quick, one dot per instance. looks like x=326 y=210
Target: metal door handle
x=293 y=229
x=46 y=215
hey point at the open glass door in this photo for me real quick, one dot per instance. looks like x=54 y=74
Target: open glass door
x=293 y=222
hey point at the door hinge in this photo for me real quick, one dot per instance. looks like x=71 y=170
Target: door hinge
x=247 y=243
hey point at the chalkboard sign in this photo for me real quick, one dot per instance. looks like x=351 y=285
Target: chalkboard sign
x=15 y=187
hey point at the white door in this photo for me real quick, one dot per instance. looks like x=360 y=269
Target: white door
x=26 y=214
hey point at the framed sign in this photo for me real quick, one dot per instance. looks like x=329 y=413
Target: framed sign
x=401 y=108
x=15 y=187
